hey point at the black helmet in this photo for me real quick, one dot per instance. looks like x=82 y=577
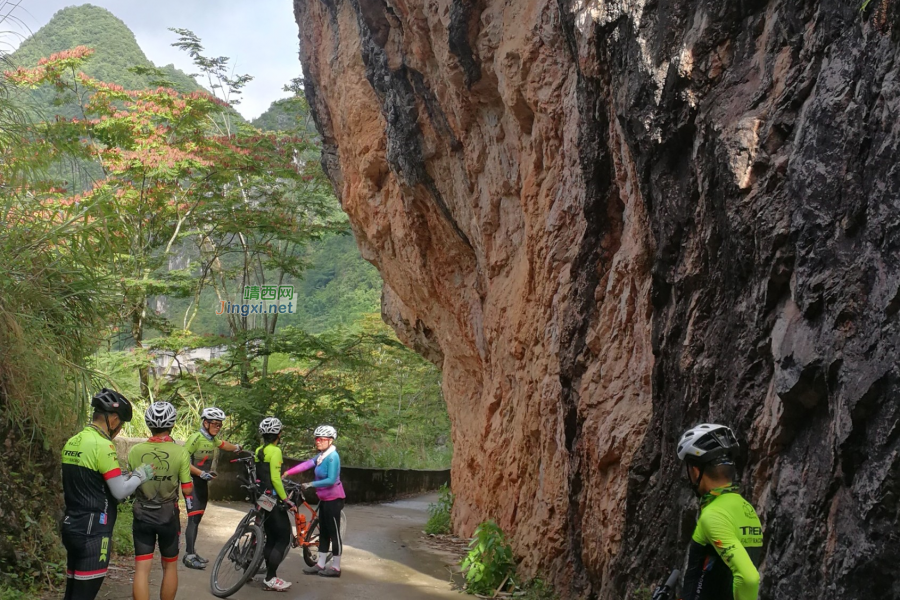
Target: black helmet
x=111 y=401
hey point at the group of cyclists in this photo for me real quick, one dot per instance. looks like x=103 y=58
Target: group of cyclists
x=94 y=484
x=722 y=560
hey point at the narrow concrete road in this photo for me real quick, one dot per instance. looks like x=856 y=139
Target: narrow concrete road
x=384 y=558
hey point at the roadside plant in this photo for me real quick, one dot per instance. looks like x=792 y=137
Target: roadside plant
x=439 y=512
x=489 y=566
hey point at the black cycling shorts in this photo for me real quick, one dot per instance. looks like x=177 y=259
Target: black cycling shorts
x=87 y=554
x=201 y=496
x=147 y=535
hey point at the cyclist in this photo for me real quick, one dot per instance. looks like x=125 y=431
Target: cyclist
x=201 y=446
x=277 y=525
x=327 y=483
x=156 y=515
x=727 y=542
x=92 y=486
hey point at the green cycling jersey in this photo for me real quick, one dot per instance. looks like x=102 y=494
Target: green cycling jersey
x=725 y=549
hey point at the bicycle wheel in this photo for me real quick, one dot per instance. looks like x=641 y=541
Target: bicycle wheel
x=237 y=561
x=311 y=548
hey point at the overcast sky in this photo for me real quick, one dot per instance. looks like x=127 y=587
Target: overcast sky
x=260 y=36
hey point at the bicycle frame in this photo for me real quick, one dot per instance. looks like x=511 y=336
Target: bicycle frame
x=299 y=528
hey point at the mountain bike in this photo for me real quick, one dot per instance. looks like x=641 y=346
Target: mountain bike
x=666 y=591
x=242 y=556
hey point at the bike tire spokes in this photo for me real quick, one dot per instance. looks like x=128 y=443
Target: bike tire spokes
x=238 y=560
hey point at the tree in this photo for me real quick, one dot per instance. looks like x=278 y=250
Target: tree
x=170 y=171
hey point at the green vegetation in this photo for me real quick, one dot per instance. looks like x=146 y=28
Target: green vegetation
x=439 y=512
x=122 y=538
x=489 y=565
x=286 y=114
x=489 y=568
x=538 y=589
x=178 y=216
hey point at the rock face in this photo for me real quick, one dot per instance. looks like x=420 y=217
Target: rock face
x=608 y=221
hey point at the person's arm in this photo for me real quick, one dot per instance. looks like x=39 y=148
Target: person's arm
x=275 y=460
x=333 y=465
x=720 y=532
x=229 y=447
x=187 y=484
x=120 y=486
x=190 y=446
x=306 y=465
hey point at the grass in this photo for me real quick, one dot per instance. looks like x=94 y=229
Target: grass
x=439 y=512
x=122 y=539
x=538 y=589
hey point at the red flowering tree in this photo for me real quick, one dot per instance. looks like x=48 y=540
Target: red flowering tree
x=169 y=171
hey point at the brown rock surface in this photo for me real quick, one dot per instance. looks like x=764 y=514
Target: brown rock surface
x=610 y=220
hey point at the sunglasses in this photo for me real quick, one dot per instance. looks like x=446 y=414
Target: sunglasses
x=215 y=423
x=323 y=439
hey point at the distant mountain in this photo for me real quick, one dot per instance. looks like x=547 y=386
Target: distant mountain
x=115 y=47
x=287 y=114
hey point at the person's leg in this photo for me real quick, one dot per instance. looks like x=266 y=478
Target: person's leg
x=270 y=528
x=326 y=533
x=91 y=564
x=140 y=587
x=337 y=541
x=144 y=543
x=170 y=579
x=87 y=589
x=330 y=521
x=168 y=549
x=278 y=529
x=73 y=547
x=195 y=515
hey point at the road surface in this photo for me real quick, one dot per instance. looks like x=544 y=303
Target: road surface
x=384 y=558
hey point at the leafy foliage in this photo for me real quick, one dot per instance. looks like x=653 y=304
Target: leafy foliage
x=489 y=565
x=439 y=512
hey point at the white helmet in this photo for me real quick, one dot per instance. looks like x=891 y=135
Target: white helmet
x=212 y=414
x=270 y=425
x=325 y=431
x=707 y=442
x=160 y=415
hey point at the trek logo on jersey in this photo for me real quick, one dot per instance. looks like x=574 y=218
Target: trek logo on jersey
x=72 y=453
x=751 y=530
x=104 y=550
x=162 y=478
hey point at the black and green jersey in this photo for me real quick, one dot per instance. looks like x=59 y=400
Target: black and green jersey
x=88 y=461
x=725 y=549
x=268 y=469
x=202 y=450
x=172 y=467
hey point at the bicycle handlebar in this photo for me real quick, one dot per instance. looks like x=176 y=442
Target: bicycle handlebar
x=667 y=590
x=673 y=578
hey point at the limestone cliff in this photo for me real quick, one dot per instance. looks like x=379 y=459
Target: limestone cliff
x=610 y=220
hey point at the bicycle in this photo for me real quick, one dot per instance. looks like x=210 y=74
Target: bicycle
x=242 y=555
x=666 y=591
